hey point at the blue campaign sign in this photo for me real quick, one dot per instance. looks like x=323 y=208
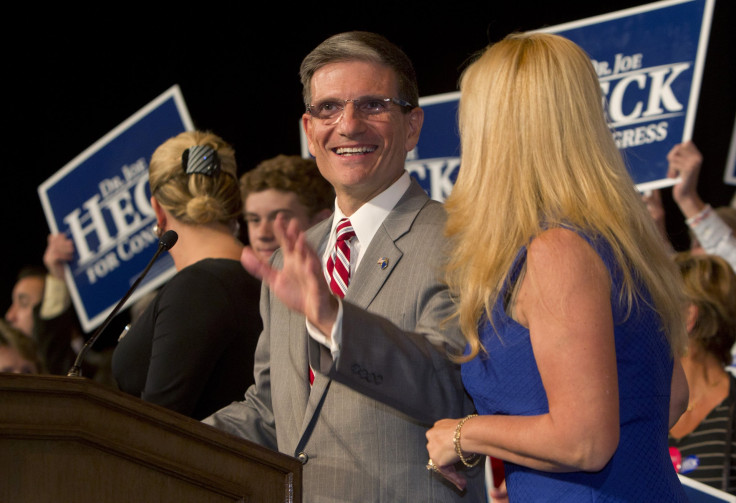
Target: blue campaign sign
x=101 y=200
x=649 y=60
x=435 y=160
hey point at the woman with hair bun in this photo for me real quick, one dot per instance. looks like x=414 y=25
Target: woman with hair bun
x=191 y=350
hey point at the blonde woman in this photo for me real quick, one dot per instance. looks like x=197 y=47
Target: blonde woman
x=705 y=431
x=192 y=349
x=565 y=294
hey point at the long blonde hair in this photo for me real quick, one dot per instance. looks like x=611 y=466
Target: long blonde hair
x=537 y=152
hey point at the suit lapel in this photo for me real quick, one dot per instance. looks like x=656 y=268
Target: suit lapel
x=371 y=275
x=382 y=256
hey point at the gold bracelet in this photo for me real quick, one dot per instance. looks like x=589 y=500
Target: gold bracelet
x=475 y=458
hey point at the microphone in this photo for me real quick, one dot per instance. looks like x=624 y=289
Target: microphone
x=166 y=242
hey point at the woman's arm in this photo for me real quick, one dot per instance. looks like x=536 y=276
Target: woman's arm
x=564 y=300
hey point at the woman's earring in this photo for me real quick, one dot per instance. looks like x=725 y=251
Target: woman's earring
x=156 y=230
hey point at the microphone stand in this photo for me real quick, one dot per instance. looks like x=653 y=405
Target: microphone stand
x=166 y=242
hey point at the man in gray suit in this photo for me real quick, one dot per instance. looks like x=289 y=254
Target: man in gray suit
x=378 y=358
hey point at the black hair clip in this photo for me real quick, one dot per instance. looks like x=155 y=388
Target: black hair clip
x=200 y=159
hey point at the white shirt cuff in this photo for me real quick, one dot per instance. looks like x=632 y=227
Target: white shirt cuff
x=56 y=298
x=335 y=337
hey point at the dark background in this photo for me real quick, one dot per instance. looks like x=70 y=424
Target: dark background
x=71 y=77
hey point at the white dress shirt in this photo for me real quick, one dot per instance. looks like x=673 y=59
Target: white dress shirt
x=714 y=235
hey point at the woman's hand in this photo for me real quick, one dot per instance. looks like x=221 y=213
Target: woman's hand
x=441 y=449
x=685 y=161
x=59 y=251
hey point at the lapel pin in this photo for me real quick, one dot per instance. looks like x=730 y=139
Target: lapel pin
x=383 y=263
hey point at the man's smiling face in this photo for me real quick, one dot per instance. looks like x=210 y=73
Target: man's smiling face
x=359 y=155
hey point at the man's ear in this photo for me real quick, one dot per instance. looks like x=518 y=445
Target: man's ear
x=415 y=119
x=307 y=126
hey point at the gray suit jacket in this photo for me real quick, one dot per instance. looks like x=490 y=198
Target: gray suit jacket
x=360 y=429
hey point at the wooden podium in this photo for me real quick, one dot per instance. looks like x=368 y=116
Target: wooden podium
x=69 y=439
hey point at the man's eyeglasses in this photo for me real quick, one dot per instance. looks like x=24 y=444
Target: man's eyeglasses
x=368 y=106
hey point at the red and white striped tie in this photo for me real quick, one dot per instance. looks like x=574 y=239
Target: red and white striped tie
x=338 y=264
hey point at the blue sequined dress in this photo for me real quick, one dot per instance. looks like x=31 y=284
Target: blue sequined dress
x=507 y=381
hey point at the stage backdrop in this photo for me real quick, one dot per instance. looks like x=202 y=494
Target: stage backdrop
x=101 y=200
x=649 y=60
